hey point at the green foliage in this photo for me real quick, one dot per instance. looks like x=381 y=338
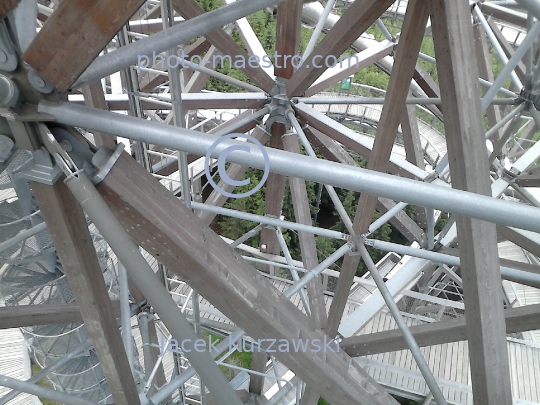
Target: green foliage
x=372 y=76
x=441 y=223
x=264 y=26
x=238 y=358
x=209 y=5
x=327 y=217
x=43 y=383
x=233 y=227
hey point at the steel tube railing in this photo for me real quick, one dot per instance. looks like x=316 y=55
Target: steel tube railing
x=290 y=164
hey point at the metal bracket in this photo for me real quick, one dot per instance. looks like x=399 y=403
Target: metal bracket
x=289 y=133
x=43 y=169
x=72 y=154
x=510 y=175
x=353 y=250
x=104 y=160
x=359 y=239
x=39 y=83
x=279 y=104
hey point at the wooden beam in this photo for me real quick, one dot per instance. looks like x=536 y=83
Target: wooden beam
x=288 y=23
x=520 y=319
x=407 y=51
x=504 y=14
x=67 y=225
x=358 y=18
x=258 y=363
x=411 y=137
x=226 y=45
x=342 y=134
x=331 y=150
x=94 y=97
x=199 y=256
x=528 y=180
x=74 y=35
x=275 y=191
x=6 y=6
x=30 y=315
x=357 y=62
x=289 y=14
x=401 y=221
x=469 y=169
x=160 y=379
x=428 y=86
x=308 y=248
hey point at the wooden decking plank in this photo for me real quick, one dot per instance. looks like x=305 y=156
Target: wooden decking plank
x=432 y=357
x=465 y=364
x=536 y=377
x=442 y=361
x=387 y=325
x=513 y=369
x=455 y=358
x=438 y=361
x=529 y=372
x=449 y=363
x=520 y=365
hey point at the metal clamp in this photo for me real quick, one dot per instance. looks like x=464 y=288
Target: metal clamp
x=104 y=159
x=530 y=98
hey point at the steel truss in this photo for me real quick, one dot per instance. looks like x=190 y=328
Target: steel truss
x=425 y=143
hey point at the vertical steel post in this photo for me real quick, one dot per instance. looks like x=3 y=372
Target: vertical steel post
x=167 y=13
x=430 y=234
x=147 y=347
x=125 y=313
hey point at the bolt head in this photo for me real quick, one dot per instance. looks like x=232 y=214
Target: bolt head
x=9 y=93
x=39 y=82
